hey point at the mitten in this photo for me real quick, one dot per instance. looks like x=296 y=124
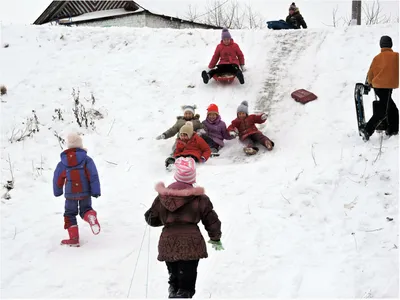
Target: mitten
x=243 y=68
x=264 y=116
x=161 y=137
x=217 y=245
x=201 y=131
x=202 y=159
x=232 y=133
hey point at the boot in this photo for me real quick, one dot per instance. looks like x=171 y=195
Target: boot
x=91 y=217
x=250 y=150
x=183 y=294
x=239 y=76
x=205 y=76
x=171 y=291
x=73 y=240
x=269 y=144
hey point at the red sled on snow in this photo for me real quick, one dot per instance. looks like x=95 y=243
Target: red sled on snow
x=225 y=77
x=303 y=96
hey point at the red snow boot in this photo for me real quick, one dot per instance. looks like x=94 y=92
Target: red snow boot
x=91 y=217
x=73 y=237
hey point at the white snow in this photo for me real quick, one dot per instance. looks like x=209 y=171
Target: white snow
x=305 y=220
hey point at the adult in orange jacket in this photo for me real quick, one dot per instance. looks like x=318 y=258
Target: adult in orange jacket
x=189 y=144
x=383 y=76
x=228 y=56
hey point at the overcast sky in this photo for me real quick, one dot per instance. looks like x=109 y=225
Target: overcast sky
x=316 y=12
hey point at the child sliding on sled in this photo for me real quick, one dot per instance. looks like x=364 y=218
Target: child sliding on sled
x=189 y=144
x=215 y=129
x=78 y=173
x=228 y=56
x=178 y=208
x=244 y=125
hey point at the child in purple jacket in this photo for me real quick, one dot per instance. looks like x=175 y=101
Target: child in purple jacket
x=78 y=173
x=215 y=129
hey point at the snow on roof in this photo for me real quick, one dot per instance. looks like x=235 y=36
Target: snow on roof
x=99 y=15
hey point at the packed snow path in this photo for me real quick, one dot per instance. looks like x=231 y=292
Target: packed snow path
x=305 y=220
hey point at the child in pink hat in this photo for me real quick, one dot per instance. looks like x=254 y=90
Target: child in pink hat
x=179 y=208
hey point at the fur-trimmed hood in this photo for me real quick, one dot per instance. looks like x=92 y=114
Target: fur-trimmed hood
x=195 y=117
x=172 y=199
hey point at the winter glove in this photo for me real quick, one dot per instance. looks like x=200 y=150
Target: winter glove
x=243 y=68
x=233 y=134
x=217 y=245
x=264 y=116
x=201 y=131
x=202 y=159
x=161 y=137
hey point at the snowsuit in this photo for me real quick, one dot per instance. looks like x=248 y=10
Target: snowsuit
x=216 y=132
x=196 y=148
x=383 y=75
x=296 y=20
x=248 y=132
x=229 y=58
x=180 y=122
x=179 y=208
x=77 y=171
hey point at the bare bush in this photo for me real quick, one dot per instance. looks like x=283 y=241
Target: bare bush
x=228 y=13
x=10 y=183
x=373 y=13
x=58 y=115
x=61 y=141
x=3 y=90
x=85 y=117
x=31 y=126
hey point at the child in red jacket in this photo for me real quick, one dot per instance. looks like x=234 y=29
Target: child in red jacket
x=228 y=56
x=244 y=125
x=189 y=144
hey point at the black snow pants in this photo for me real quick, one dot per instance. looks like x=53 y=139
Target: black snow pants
x=182 y=278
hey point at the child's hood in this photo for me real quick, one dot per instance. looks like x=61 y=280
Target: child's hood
x=195 y=117
x=172 y=198
x=73 y=157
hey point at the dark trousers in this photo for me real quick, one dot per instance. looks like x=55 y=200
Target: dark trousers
x=73 y=208
x=256 y=138
x=221 y=69
x=210 y=142
x=183 y=275
x=188 y=155
x=386 y=111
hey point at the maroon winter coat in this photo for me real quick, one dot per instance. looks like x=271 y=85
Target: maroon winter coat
x=246 y=126
x=179 y=208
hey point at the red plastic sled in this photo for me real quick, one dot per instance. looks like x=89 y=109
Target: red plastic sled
x=224 y=78
x=303 y=96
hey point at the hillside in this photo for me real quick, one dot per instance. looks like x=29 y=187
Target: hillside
x=305 y=220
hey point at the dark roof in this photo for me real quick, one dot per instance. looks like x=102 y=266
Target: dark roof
x=66 y=9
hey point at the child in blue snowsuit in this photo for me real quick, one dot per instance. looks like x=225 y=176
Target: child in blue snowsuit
x=77 y=171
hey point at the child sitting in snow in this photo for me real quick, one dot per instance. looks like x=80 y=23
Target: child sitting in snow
x=188 y=115
x=228 y=56
x=244 y=125
x=295 y=19
x=77 y=171
x=189 y=144
x=215 y=129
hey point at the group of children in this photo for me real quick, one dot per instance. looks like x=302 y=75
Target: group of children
x=201 y=140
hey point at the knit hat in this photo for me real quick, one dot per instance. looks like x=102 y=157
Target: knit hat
x=212 y=108
x=190 y=108
x=185 y=170
x=74 y=140
x=188 y=129
x=225 y=34
x=293 y=6
x=386 y=42
x=243 y=107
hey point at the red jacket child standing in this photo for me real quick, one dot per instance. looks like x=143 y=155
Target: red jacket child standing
x=244 y=125
x=228 y=56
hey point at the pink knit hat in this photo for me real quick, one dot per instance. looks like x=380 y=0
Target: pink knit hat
x=185 y=170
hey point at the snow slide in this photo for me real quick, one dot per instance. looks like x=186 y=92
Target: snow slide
x=308 y=219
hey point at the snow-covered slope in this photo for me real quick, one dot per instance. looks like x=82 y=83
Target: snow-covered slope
x=307 y=219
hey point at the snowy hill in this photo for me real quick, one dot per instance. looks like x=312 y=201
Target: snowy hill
x=308 y=219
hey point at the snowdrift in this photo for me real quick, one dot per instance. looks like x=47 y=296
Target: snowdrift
x=308 y=219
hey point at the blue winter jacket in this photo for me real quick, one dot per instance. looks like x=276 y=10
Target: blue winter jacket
x=78 y=173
